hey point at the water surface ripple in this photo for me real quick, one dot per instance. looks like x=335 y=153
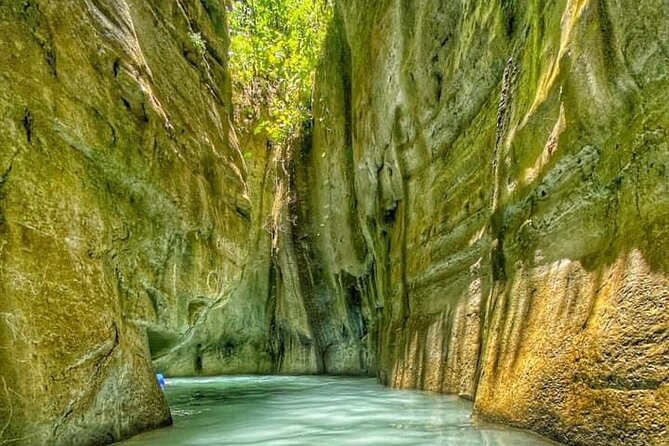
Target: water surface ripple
x=292 y=411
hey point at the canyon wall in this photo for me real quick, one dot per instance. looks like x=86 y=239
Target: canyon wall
x=138 y=232
x=489 y=186
x=124 y=208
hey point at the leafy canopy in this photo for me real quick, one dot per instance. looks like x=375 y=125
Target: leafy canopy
x=275 y=46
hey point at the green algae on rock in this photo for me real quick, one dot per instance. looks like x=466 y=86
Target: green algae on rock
x=119 y=196
x=493 y=177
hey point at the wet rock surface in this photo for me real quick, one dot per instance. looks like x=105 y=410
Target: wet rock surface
x=490 y=177
x=119 y=188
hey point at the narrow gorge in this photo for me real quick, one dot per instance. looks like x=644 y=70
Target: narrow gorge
x=478 y=206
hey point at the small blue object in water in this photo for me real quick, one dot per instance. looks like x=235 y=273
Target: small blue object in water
x=161 y=380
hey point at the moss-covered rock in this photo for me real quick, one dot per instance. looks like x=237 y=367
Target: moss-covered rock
x=122 y=203
x=492 y=177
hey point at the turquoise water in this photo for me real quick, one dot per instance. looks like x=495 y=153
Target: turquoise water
x=292 y=411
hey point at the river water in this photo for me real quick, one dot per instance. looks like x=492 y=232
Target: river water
x=319 y=411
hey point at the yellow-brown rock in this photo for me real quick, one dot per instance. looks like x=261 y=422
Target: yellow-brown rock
x=493 y=177
x=122 y=205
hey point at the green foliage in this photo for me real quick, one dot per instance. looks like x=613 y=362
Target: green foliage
x=198 y=42
x=275 y=46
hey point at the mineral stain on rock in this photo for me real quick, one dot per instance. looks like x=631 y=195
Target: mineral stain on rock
x=479 y=207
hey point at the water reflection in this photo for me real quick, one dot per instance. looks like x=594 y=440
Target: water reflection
x=291 y=411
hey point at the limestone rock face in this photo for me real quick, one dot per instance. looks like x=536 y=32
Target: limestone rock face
x=135 y=236
x=123 y=207
x=489 y=188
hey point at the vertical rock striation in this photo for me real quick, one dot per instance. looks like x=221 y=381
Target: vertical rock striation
x=489 y=185
x=486 y=197
x=123 y=207
x=132 y=227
